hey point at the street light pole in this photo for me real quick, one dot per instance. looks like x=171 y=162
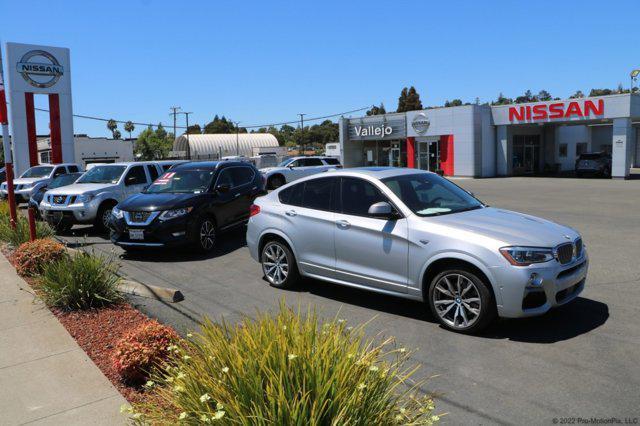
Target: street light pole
x=302 y=130
x=174 y=112
x=186 y=114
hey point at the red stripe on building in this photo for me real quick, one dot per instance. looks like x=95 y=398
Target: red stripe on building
x=31 y=129
x=4 y=117
x=411 y=152
x=446 y=154
x=54 y=120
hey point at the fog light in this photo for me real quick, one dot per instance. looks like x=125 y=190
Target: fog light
x=178 y=234
x=535 y=280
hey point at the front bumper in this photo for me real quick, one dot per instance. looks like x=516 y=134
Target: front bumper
x=560 y=284
x=170 y=233
x=22 y=196
x=71 y=213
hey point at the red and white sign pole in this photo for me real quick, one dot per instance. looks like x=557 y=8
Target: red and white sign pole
x=6 y=141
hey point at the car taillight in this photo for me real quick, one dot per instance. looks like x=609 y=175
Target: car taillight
x=254 y=210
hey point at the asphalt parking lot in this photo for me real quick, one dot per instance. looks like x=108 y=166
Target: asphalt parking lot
x=582 y=360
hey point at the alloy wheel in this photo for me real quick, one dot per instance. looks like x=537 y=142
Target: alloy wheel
x=207 y=235
x=457 y=301
x=106 y=215
x=275 y=264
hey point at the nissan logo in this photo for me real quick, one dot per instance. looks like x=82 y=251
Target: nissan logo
x=420 y=123
x=40 y=69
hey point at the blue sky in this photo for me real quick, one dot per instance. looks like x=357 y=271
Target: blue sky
x=263 y=61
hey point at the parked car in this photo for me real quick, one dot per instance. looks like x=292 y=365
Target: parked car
x=414 y=234
x=167 y=164
x=91 y=198
x=595 y=163
x=189 y=205
x=56 y=182
x=297 y=167
x=35 y=177
x=3 y=175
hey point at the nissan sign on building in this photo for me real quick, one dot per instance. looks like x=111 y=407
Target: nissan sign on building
x=502 y=140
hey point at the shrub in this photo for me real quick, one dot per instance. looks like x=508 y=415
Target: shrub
x=286 y=369
x=80 y=281
x=20 y=234
x=142 y=349
x=31 y=257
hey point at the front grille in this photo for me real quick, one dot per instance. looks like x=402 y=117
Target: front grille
x=59 y=199
x=139 y=217
x=578 y=248
x=562 y=295
x=564 y=253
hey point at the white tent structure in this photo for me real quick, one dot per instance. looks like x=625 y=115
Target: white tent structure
x=223 y=145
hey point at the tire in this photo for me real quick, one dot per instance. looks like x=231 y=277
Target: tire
x=205 y=235
x=62 y=228
x=279 y=265
x=460 y=314
x=276 y=182
x=101 y=223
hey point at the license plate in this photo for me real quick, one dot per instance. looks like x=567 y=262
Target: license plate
x=136 y=234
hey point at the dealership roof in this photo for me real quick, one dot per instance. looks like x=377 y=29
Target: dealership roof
x=224 y=144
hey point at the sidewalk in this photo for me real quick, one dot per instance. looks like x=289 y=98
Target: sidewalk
x=45 y=377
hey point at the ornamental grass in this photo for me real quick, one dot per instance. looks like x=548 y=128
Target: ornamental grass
x=285 y=369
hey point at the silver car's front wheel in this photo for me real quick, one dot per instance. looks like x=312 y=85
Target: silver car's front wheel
x=461 y=301
x=278 y=264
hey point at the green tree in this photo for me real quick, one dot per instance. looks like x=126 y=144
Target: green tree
x=112 y=125
x=527 y=97
x=409 y=100
x=543 y=95
x=377 y=110
x=154 y=144
x=502 y=100
x=455 y=102
x=117 y=134
x=129 y=127
x=577 y=95
x=600 y=92
x=194 y=129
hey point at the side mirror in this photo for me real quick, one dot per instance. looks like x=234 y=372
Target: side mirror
x=381 y=210
x=130 y=180
x=222 y=188
x=290 y=166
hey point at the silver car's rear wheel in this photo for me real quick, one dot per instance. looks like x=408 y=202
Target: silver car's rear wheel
x=461 y=301
x=278 y=264
x=457 y=301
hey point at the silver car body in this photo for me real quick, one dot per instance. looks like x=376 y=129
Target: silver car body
x=392 y=257
x=68 y=198
x=24 y=187
x=297 y=170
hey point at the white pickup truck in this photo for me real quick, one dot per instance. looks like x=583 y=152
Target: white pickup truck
x=35 y=178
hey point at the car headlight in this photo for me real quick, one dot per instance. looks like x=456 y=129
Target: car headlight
x=117 y=213
x=85 y=198
x=524 y=256
x=172 y=214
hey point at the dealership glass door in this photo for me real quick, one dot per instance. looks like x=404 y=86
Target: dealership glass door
x=428 y=155
x=526 y=154
x=394 y=157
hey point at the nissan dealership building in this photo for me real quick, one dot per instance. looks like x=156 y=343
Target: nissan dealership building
x=504 y=140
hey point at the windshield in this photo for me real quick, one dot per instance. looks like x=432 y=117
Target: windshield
x=427 y=194
x=182 y=181
x=37 y=172
x=285 y=162
x=64 y=180
x=103 y=174
x=595 y=156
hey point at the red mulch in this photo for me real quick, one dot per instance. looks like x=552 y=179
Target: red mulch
x=97 y=331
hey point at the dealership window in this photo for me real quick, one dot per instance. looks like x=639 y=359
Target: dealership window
x=562 y=153
x=45 y=157
x=581 y=148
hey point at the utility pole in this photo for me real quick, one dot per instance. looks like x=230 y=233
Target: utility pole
x=174 y=112
x=302 y=130
x=237 y=137
x=186 y=114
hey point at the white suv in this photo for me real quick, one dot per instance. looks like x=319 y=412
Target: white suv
x=35 y=178
x=296 y=168
x=92 y=197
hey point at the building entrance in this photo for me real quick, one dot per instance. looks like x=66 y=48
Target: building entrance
x=428 y=155
x=526 y=154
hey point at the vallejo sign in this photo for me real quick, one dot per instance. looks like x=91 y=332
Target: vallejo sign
x=40 y=68
x=378 y=128
x=381 y=130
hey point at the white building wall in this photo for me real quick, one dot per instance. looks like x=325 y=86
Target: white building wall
x=571 y=136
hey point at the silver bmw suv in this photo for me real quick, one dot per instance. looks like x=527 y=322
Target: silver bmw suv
x=414 y=234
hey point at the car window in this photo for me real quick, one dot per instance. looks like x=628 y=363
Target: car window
x=358 y=195
x=153 y=172
x=317 y=193
x=332 y=161
x=166 y=167
x=242 y=175
x=72 y=169
x=135 y=176
x=225 y=178
x=37 y=172
x=292 y=195
x=308 y=162
x=59 y=171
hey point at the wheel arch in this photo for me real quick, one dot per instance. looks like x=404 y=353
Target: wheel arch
x=270 y=234
x=446 y=260
x=276 y=175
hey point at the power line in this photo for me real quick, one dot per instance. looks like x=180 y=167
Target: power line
x=253 y=126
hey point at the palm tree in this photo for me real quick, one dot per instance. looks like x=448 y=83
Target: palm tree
x=129 y=127
x=116 y=134
x=112 y=125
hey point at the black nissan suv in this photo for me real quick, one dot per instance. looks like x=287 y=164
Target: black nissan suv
x=188 y=205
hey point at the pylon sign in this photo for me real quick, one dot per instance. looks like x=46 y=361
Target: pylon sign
x=30 y=70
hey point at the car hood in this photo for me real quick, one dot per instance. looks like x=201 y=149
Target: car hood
x=82 y=188
x=153 y=202
x=23 y=181
x=509 y=227
x=271 y=169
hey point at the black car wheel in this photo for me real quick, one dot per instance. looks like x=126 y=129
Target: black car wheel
x=276 y=182
x=103 y=217
x=206 y=233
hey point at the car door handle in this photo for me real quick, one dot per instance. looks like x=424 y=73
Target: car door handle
x=237 y=195
x=290 y=213
x=343 y=224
